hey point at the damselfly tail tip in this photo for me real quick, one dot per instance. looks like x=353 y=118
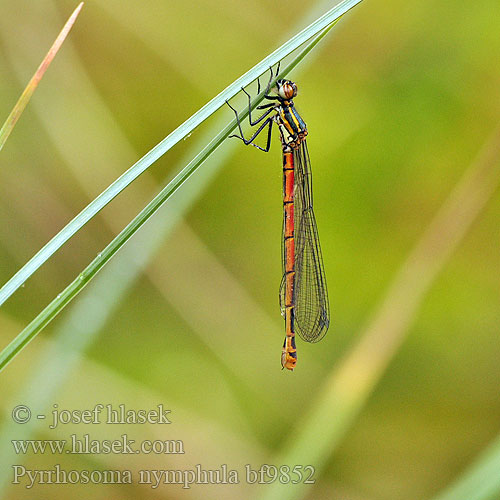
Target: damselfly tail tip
x=288 y=360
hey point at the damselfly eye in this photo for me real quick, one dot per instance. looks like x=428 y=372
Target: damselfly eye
x=287 y=89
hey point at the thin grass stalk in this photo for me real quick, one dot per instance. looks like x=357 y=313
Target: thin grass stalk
x=480 y=481
x=166 y=144
x=25 y=97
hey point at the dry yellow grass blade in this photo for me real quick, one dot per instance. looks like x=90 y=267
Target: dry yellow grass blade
x=35 y=80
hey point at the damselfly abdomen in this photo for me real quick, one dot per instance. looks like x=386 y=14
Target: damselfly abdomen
x=303 y=292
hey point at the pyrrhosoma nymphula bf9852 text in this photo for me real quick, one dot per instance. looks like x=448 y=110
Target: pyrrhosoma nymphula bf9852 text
x=303 y=291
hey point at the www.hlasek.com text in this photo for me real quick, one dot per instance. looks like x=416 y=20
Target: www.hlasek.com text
x=85 y=445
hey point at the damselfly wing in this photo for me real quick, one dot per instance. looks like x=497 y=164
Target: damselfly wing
x=312 y=315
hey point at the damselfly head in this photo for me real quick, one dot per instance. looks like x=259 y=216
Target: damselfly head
x=286 y=89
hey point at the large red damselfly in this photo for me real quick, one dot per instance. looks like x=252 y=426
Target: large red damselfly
x=303 y=291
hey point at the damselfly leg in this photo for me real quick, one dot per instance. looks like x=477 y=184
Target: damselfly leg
x=269 y=123
x=269 y=120
x=266 y=96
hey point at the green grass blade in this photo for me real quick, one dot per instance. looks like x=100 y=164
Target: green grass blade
x=159 y=150
x=35 y=80
x=49 y=313
x=481 y=481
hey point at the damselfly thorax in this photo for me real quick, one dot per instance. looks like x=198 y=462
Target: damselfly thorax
x=292 y=128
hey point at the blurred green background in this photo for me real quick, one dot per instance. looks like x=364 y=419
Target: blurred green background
x=399 y=100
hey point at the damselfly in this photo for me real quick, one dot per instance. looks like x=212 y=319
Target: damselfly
x=303 y=293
